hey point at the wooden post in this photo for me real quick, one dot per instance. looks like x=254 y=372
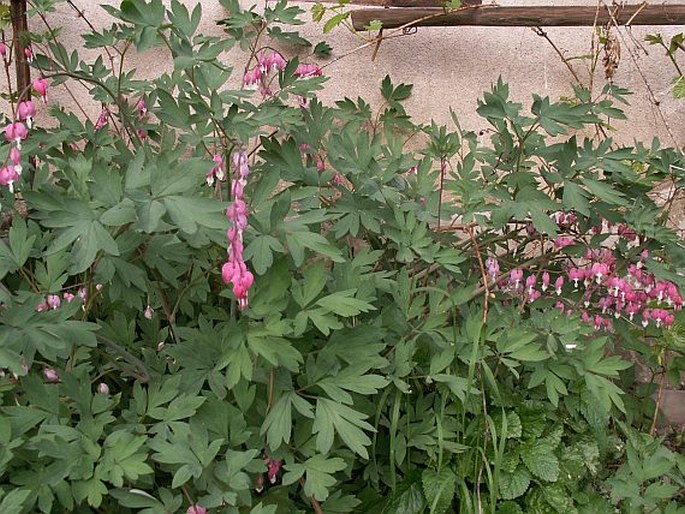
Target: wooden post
x=21 y=66
x=495 y=16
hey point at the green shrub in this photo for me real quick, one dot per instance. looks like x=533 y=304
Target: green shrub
x=372 y=342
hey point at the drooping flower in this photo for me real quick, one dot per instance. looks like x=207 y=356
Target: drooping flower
x=41 y=87
x=576 y=275
x=102 y=119
x=273 y=61
x=103 y=388
x=252 y=78
x=142 y=109
x=3 y=49
x=217 y=172
x=29 y=54
x=563 y=241
x=8 y=176
x=68 y=297
x=545 y=281
x=558 y=284
x=148 y=313
x=515 y=276
x=273 y=466
x=492 y=267
x=196 y=509
x=26 y=111
x=50 y=375
x=54 y=301
x=15 y=157
x=16 y=132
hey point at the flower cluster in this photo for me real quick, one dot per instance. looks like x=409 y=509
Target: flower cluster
x=54 y=301
x=273 y=467
x=258 y=77
x=600 y=288
x=235 y=271
x=16 y=132
x=305 y=71
x=603 y=290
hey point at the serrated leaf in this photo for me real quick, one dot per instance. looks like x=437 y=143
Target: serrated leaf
x=540 y=460
x=513 y=485
x=335 y=20
x=438 y=488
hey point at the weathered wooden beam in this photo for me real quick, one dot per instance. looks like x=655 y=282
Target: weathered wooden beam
x=426 y=3
x=404 y=3
x=544 y=16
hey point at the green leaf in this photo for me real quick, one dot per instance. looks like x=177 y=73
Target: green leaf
x=278 y=423
x=513 y=485
x=540 y=460
x=335 y=20
x=407 y=497
x=343 y=304
x=20 y=244
x=322 y=49
x=260 y=252
x=374 y=26
x=191 y=213
x=347 y=422
x=439 y=488
x=13 y=502
x=299 y=240
x=604 y=191
x=318 y=477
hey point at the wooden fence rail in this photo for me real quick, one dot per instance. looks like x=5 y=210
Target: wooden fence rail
x=495 y=16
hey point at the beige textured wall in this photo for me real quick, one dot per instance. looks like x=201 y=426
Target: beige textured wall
x=449 y=67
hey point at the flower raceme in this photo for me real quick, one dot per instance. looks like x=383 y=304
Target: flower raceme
x=234 y=271
x=305 y=71
x=258 y=77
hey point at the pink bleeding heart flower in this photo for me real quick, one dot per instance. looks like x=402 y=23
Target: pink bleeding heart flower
x=50 y=375
x=41 y=87
x=252 y=78
x=16 y=132
x=15 y=157
x=54 y=301
x=8 y=176
x=3 y=49
x=273 y=466
x=102 y=119
x=29 y=54
x=196 y=509
x=26 y=111
x=217 y=172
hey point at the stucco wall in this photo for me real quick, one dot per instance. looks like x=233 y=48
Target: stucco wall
x=449 y=67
